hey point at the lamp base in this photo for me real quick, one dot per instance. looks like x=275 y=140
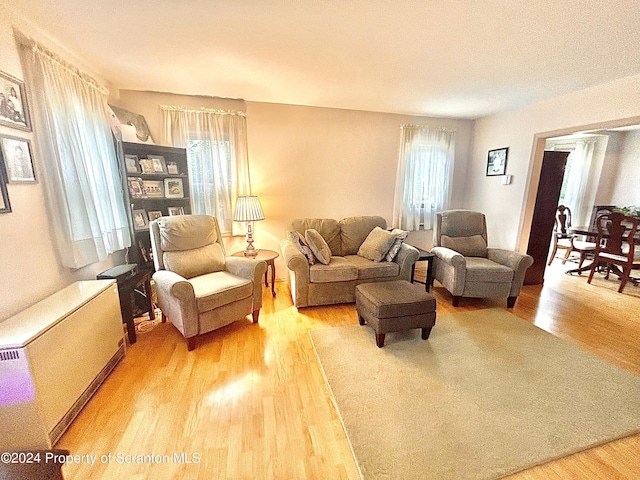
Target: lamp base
x=251 y=253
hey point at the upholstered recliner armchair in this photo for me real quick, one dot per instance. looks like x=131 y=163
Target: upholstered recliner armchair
x=200 y=289
x=466 y=267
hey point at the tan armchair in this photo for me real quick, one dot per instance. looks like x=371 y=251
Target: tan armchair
x=199 y=288
x=466 y=267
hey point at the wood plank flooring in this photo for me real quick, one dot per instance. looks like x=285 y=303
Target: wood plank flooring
x=251 y=402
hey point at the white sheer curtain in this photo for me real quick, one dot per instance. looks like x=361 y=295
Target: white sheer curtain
x=216 y=143
x=80 y=167
x=423 y=178
x=574 y=194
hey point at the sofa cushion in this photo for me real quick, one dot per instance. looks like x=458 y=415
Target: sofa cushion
x=484 y=270
x=401 y=235
x=377 y=244
x=302 y=245
x=216 y=289
x=338 y=270
x=185 y=232
x=327 y=227
x=194 y=262
x=368 y=269
x=318 y=246
x=354 y=231
x=473 y=246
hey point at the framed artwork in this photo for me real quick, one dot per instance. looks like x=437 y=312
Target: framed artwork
x=136 y=188
x=18 y=161
x=153 y=188
x=131 y=162
x=14 y=111
x=146 y=165
x=140 y=220
x=172 y=168
x=158 y=163
x=153 y=214
x=173 y=188
x=175 y=211
x=497 y=161
x=5 y=206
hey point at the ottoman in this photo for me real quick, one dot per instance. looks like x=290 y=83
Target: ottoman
x=395 y=307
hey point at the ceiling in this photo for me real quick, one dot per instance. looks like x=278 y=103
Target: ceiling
x=448 y=58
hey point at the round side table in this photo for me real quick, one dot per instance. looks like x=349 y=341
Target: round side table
x=269 y=257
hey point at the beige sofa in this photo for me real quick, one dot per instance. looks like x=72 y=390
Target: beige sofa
x=336 y=282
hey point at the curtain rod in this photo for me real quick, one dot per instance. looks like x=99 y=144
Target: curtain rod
x=427 y=127
x=40 y=49
x=202 y=110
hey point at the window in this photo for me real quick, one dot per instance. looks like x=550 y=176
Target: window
x=424 y=176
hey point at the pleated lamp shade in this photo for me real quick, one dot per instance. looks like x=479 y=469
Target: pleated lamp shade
x=248 y=209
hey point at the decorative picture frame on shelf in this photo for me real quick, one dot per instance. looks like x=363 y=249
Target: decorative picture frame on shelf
x=153 y=188
x=5 y=205
x=497 y=161
x=172 y=168
x=140 y=220
x=154 y=214
x=131 y=163
x=158 y=163
x=14 y=110
x=18 y=160
x=146 y=166
x=173 y=188
x=136 y=188
x=173 y=211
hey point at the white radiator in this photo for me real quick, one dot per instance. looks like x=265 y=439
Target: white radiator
x=53 y=357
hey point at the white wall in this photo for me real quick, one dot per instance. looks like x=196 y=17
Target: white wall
x=509 y=208
x=29 y=265
x=627 y=182
x=314 y=162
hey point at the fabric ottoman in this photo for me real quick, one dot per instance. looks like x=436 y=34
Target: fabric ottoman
x=395 y=306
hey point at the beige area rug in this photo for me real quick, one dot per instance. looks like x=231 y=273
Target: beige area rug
x=614 y=283
x=489 y=394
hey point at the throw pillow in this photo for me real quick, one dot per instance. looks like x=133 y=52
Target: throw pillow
x=318 y=246
x=474 y=246
x=194 y=262
x=395 y=248
x=302 y=245
x=377 y=244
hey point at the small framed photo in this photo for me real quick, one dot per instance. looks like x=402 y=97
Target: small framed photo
x=158 y=163
x=146 y=165
x=140 y=220
x=131 y=162
x=136 y=188
x=172 y=168
x=154 y=214
x=173 y=188
x=497 y=161
x=153 y=188
x=173 y=211
x=16 y=153
x=14 y=111
x=5 y=206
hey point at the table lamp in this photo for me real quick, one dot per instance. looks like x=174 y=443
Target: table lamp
x=248 y=210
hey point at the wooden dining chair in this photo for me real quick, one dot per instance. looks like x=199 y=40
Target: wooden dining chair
x=563 y=240
x=615 y=246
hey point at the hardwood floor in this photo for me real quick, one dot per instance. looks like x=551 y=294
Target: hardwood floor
x=251 y=402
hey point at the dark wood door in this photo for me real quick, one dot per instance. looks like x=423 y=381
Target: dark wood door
x=553 y=164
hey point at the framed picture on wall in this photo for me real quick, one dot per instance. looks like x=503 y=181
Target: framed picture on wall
x=132 y=163
x=16 y=153
x=154 y=214
x=5 y=206
x=140 y=220
x=173 y=188
x=175 y=211
x=14 y=111
x=497 y=161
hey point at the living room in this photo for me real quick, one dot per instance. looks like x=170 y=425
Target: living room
x=318 y=161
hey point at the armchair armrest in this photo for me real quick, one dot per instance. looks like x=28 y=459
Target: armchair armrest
x=450 y=269
x=298 y=276
x=407 y=256
x=518 y=262
x=177 y=301
x=251 y=270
